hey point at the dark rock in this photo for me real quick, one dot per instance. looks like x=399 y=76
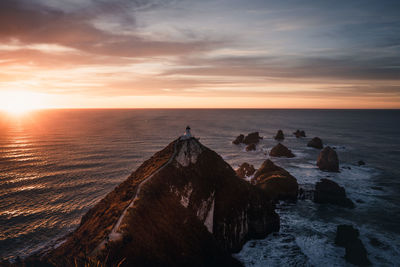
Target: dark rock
x=278 y=183
x=360 y=163
x=360 y=201
x=245 y=170
x=316 y=142
x=279 y=135
x=375 y=242
x=356 y=253
x=329 y=192
x=238 y=139
x=252 y=138
x=183 y=206
x=281 y=151
x=299 y=133
x=328 y=160
x=251 y=147
x=345 y=234
x=347 y=167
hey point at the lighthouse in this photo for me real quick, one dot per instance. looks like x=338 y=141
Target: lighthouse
x=187 y=134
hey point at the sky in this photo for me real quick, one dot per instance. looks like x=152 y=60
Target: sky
x=200 y=54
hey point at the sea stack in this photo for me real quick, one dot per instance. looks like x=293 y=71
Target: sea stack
x=299 y=133
x=316 y=142
x=347 y=236
x=328 y=160
x=281 y=151
x=245 y=170
x=183 y=206
x=251 y=138
x=279 y=136
x=329 y=192
x=251 y=147
x=278 y=183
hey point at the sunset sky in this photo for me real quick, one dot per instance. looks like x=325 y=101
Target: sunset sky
x=200 y=54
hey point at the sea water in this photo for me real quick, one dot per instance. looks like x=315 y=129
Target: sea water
x=56 y=164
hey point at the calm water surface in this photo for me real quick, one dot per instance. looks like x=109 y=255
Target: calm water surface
x=56 y=164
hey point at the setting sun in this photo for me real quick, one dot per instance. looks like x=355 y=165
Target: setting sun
x=19 y=102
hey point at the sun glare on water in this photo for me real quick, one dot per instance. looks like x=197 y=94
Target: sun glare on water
x=19 y=102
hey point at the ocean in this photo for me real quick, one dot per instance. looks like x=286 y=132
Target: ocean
x=57 y=164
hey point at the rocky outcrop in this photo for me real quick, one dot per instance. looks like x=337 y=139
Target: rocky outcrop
x=279 y=135
x=184 y=206
x=328 y=160
x=238 y=139
x=361 y=163
x=245 y=170
x=316 y=142
x=299 y=133
x=251 y=138
x=251 y=147
x=329 y=192
x=345 y=234
x=281 y=151
x=348 y=237
x=278 y=183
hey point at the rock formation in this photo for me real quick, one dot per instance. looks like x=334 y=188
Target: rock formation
x=251 y=147
x=329 y=192
x=328 y=160
x=361 y=163
x=299 y=133
x=316 y=142
x=252 y=138
x=278 y=183
x=238 y=139
x=183 y=206
x=279 y=135
x=245 y=170
x=348 y=237
x=281 y=151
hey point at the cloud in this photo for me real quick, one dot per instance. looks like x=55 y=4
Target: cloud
x=35 y=23
x=205 y=48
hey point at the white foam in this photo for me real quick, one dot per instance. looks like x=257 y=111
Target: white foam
x=185 y=197
x=209 y=222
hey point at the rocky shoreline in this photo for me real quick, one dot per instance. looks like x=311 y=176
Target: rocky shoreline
x=212 y=209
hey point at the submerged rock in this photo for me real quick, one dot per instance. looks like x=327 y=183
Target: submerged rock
x=281 y=151
x=316 y=142
x=299 y=133
x=251 y=147
x=347 y=236
x=183 y=206
x=238 y=139
x=328 y=160
x=278 y=183
x=329 y=192
x=360 y=163
x=357 y=254
x=279 y=135
x=252 y=138
x=245 y=170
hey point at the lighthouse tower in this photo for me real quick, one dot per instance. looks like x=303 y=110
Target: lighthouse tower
x=187 y=134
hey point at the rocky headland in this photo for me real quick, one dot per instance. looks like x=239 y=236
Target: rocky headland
x=183 y=206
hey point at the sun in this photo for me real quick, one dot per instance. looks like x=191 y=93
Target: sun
x=19 y=102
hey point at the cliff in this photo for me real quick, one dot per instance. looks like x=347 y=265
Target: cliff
x=183 y=206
